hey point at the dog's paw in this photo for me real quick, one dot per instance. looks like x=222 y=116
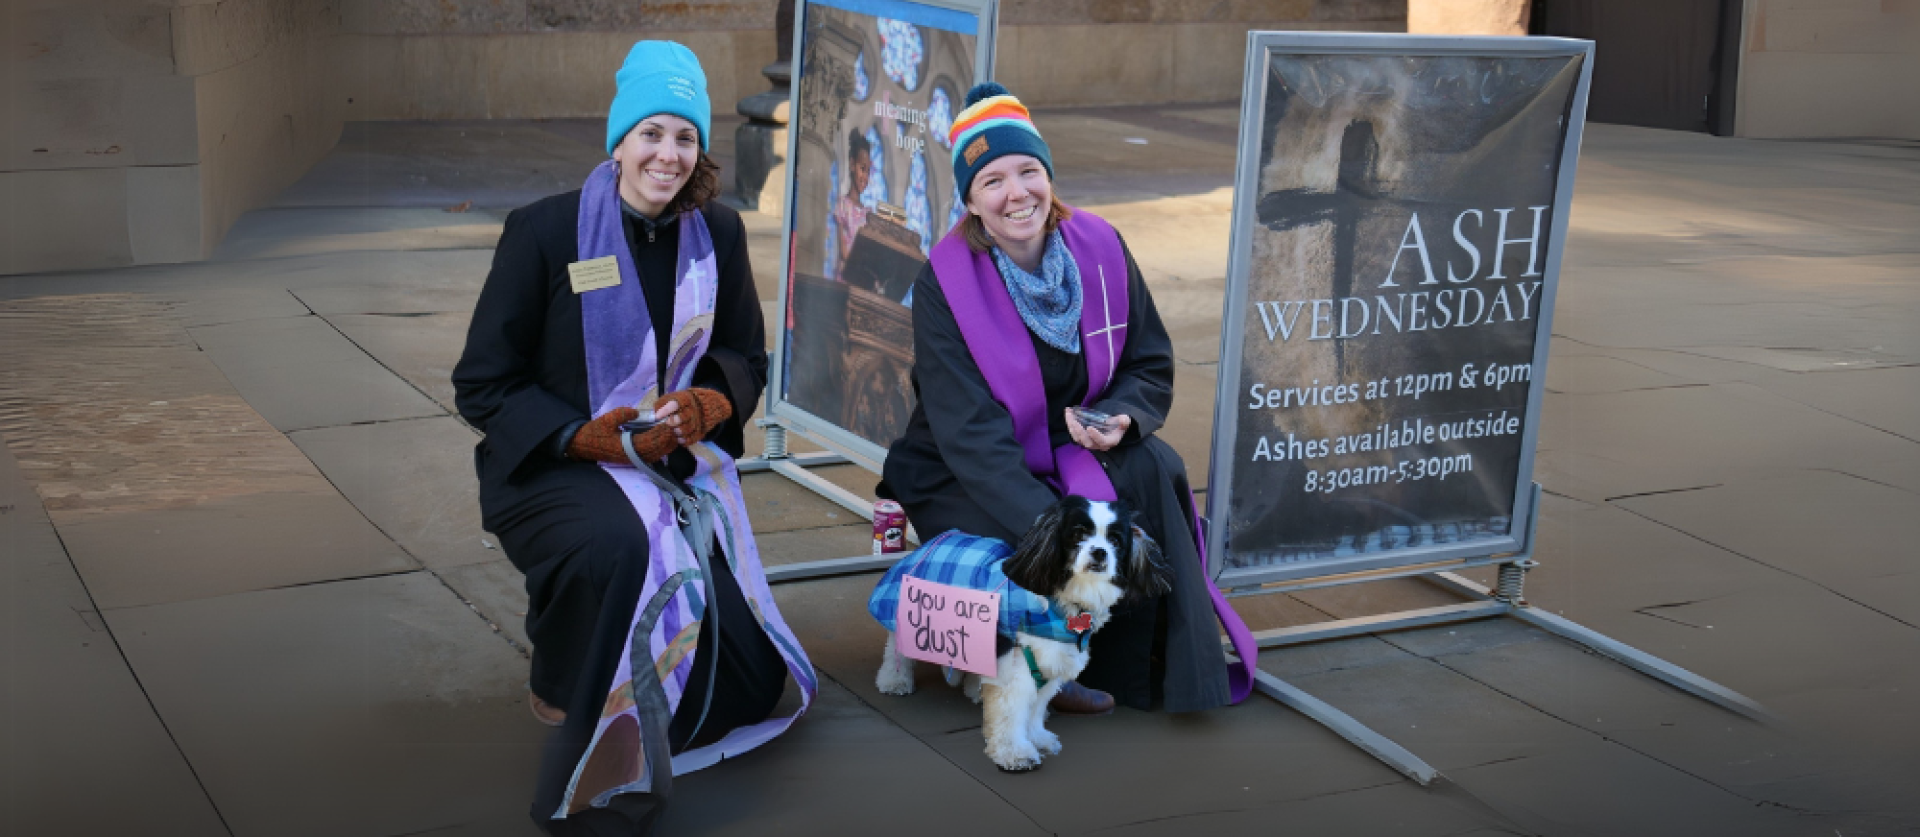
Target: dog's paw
x=1045 y=741
x=971 y=688
x=894 y=681
x=1018 y=759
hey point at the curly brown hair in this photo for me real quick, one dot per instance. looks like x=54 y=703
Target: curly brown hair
x=980 y=242
x=702 y=186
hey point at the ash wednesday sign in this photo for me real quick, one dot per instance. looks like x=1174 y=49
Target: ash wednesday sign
x=1398 y=218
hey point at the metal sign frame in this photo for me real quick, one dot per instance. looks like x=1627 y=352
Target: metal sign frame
x=1514 y=554
x=1260 y=47
x=782 y=415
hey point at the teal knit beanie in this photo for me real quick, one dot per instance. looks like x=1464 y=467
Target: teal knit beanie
x=658 y=77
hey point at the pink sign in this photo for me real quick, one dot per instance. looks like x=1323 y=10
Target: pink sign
x=947 y=625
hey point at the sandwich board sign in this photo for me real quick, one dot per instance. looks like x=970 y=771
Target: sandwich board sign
x=1400 y=210
x=1399 y=215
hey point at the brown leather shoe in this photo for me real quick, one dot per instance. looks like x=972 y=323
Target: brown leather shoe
x=551 y=715
x=1075 y=699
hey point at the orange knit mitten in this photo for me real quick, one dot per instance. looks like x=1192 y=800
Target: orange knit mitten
x=599 y=440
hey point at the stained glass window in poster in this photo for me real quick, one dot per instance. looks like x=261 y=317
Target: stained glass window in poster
x=940 y=117
x=903 y=51
x=919 y=216
x=831 y=267
x=959 y=208
x=876 y=192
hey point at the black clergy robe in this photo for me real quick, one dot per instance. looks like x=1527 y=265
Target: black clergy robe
x=958 y=466
x=522 y=380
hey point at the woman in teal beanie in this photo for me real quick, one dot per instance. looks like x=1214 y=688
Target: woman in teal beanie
x=657 y=646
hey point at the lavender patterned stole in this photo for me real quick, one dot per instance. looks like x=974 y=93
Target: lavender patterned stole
x=629 y=743
x=998 y=342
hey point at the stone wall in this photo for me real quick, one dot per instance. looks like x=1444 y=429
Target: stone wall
x=265 y=108
x=1829 y=68
x=1468 y=17
x=137 y=132
x=443 y=59
x=493 y=59
x=1098 y=52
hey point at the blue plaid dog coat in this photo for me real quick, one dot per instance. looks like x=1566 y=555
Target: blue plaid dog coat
x=973 y=562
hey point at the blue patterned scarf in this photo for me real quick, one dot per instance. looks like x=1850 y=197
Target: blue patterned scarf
x=1049 y=303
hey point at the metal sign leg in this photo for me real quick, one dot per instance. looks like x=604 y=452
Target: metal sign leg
x=1506 y=598
x=794 y=467
x=1343 y=725
x=1618 y=651
x=776 y=451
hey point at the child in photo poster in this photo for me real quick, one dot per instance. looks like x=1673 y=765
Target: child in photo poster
x=849 y=215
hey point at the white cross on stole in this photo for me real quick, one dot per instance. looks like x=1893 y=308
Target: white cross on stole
x=1106 y=309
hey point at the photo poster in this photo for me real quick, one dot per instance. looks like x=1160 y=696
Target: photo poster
x=876 y=86
x=1399 y=211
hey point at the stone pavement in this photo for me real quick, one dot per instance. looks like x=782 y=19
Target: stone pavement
x=245 y=591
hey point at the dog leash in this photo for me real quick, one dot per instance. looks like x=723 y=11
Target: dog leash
x=1082 y=634
x=695 y=527
x=1033 y=668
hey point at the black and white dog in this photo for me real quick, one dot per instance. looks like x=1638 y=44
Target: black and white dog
x=1084 y=556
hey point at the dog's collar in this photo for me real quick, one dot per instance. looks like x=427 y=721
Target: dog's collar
x=1068 y=616
x=1083 y=630
x=1033 y=667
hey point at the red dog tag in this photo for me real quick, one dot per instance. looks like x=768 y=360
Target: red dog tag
x=1080 y=624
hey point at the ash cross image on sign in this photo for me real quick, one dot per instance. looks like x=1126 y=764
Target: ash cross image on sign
x=1395 y=268
x=1355 y=192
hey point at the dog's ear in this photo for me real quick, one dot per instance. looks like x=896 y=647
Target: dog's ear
x=1036 y=563
x=1148 y=573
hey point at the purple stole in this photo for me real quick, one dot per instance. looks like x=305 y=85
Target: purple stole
x=628 y=751
x=997 y=339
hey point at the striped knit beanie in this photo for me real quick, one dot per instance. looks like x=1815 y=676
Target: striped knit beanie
x=994 y=124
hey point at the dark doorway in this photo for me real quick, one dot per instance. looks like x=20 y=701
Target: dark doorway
x=1657 y=63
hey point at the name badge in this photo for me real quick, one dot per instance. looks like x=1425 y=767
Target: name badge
x=594 y=274
x=947 y=625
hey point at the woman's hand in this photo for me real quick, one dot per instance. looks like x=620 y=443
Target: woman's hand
x=599 y=440
x=667 y=412
x=691 y=414
x=1095 y=439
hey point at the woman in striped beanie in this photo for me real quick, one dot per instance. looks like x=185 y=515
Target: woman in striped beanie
x=1027 y=312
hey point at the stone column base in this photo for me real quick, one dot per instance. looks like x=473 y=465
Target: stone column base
x=760 y=146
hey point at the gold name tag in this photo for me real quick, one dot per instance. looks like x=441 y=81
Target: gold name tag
x=594 y=274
